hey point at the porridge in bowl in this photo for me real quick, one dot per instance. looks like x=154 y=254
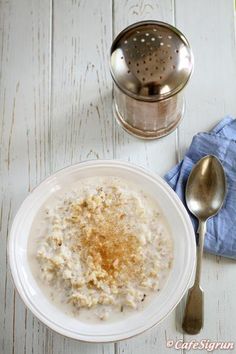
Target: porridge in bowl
x=102 y=249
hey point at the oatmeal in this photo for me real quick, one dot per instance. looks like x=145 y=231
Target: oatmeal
x=104 y=248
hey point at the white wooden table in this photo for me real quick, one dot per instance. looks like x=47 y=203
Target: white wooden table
x=56 y=109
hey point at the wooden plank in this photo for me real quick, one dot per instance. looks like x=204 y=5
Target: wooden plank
x=210 y=96
x=24 y=142
x=81 y=100
x=211 y=92
x=157 y=155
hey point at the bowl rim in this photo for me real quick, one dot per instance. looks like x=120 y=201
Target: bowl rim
x=95 y=338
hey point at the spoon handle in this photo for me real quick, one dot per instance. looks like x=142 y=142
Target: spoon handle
x=201 y=232
x=193 y=316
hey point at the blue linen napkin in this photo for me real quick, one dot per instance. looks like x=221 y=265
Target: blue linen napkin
x=220 y=237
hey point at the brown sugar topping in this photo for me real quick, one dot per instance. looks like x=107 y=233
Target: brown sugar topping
x=113 y=250
x=106 y=240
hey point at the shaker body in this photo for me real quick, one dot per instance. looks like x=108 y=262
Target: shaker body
x=148 y=120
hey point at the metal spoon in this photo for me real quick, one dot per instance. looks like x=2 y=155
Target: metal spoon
x=205 y=194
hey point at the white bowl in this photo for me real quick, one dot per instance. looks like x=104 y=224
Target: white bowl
x=165 y=301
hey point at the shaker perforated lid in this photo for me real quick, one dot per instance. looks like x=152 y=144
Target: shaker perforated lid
x=151 y=60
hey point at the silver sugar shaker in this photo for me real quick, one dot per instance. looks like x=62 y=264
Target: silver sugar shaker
x=151 y=62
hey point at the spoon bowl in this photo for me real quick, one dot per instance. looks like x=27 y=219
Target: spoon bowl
x=206 y=188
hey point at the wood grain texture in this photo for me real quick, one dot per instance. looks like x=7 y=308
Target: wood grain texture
x=81 y=114
x=157 y=155
x=82 y=92
x=211 y=93
x=24 y=148
x=210 y=96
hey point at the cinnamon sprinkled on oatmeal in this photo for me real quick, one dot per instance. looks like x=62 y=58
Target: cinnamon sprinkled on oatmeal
x=107 y=245
x=113 y=250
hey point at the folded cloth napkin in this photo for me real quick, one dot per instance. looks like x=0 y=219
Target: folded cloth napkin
x=220 y=237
